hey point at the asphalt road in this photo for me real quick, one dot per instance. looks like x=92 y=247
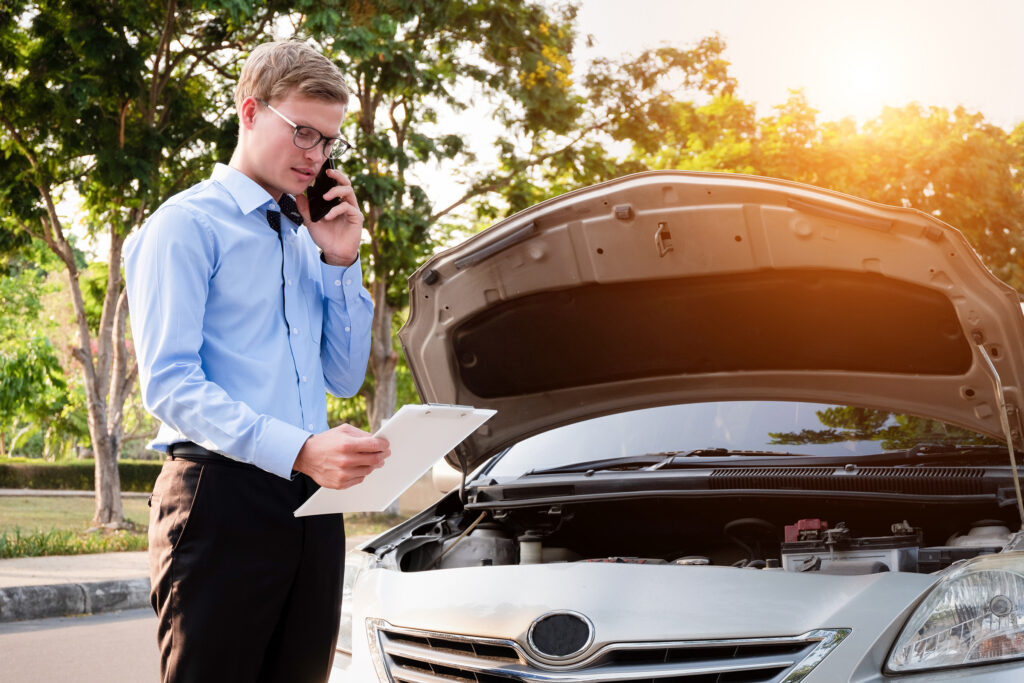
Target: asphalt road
x=101 y=648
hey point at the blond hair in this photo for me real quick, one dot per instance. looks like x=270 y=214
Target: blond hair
x=274 y=70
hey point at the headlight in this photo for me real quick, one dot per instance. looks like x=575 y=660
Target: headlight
x=356 y=562
x=974 y=615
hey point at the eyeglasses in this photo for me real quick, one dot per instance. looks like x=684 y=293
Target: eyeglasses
x=306 y=137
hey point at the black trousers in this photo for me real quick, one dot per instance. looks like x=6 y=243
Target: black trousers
x=244 y=590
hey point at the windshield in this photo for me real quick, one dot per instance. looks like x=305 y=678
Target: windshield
x=774 y=426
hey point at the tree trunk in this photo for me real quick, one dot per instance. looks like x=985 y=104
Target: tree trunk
x=104 y=376
x=383 y=359
x=109 y=512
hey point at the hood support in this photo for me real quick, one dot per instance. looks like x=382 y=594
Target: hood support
x=1004 y=418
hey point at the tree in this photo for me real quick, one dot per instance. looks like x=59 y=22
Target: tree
x=630 y=101
x=121 y=104
x=408 y=60
x=31 y=378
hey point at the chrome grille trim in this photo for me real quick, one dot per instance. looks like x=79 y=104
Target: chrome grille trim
x=399 y=659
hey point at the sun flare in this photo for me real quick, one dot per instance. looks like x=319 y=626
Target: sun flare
x=861 y=77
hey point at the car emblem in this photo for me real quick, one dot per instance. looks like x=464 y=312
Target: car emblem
x=560 y=635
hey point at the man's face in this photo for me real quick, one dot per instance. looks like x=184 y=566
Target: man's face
x=271 y=158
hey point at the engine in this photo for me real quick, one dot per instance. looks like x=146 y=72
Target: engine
x=609 y=534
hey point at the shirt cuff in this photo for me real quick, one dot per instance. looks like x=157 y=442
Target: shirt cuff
x=279 y=447
x=342 y=283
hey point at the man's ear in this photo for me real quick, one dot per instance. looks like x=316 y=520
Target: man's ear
x=247 y=112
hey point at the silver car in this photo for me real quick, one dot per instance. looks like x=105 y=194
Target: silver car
x=746 y=430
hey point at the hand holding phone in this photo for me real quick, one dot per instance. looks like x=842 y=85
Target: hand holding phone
x=318 y=206
x=340 y=235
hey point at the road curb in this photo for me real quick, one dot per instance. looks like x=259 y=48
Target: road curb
x=19 y=603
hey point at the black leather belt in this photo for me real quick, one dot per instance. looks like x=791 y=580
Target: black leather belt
x=186 y=450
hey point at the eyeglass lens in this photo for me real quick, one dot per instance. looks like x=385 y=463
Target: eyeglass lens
x=308 y=138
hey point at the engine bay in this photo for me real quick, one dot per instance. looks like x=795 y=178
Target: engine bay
x=764 y=533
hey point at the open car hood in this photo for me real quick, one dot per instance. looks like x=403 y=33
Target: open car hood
x=671 y=287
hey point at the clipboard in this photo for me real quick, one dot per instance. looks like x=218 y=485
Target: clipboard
x=420 y=435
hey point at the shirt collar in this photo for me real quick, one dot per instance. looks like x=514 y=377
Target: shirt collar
x=246 y=192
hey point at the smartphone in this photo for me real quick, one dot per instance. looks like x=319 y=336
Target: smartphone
x=318 y=206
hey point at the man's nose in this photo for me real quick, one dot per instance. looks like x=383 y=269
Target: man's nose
x=315 y=154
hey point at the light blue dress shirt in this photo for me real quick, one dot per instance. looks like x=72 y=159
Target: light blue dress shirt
x=240 y=334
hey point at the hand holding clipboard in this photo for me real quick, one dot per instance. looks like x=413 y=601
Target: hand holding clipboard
x=419 y=435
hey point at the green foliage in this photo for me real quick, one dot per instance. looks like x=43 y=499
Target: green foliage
x=75 y=476
x=17 y=543
x=637 y=101
x=32 y=386
x=93 y=281
x=412 y=60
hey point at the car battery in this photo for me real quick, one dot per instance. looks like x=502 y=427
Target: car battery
x=837 y=551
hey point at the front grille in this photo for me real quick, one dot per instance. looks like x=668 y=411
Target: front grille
x=413 y=656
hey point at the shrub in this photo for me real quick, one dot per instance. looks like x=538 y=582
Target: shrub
x=75 y=476
x=18 y=543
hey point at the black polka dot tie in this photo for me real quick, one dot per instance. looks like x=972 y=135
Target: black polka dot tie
x=274 y=219
x=288 y=208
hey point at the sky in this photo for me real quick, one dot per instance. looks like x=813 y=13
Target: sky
x=850 y=57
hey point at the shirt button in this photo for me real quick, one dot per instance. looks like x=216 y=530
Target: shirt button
x=303 y=379
x=289 y=283
x=310 y=426
x=348 y=282
x=295 y=330
x=337 y=283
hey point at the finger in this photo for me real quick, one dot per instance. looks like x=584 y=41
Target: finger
x=352 y=213
x=379 y=445
x=350 y=429
x=368 y=445
x=343 y=192
x=339 y=176
x=358 y=470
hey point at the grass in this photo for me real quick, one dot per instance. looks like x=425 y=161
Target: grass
x=64 y=513
x=17 y=543
x=31 y=526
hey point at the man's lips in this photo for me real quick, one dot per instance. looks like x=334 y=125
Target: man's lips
x=306 y=174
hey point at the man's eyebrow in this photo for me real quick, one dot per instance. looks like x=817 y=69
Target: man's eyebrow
x=306 y=125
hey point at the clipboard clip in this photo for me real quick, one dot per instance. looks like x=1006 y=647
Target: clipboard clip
x=464 y=409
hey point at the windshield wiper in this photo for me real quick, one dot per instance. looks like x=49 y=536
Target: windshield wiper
x=652 y=461
x=631 y=462
x=919 y=454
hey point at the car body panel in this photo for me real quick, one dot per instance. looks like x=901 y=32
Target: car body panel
x=502 y=301
x=631 y=604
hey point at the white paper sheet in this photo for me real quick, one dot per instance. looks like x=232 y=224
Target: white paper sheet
x=420 y=435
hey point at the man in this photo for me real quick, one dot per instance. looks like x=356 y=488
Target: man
x=241 y=320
